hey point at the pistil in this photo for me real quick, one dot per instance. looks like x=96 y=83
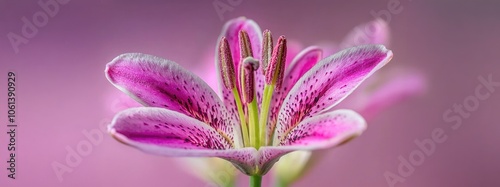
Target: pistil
x=249 y=66
x=247 y=80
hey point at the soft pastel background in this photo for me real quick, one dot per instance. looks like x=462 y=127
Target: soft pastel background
x=62 y=90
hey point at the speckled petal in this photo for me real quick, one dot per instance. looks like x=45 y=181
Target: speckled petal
x=319 y=132
x=166 y=128
x=304 y=61
x=168 y=133
x=327 y=83
x=325 y=130
x=373 y=32
x=157 y=82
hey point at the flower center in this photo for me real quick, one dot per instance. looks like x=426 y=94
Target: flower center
x=253 y=124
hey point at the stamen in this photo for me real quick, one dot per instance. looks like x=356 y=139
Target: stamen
x=228 y=75
x=226 y=64
x=275 y=70
x=274 y=78
x=245 y=45
x=267 y=49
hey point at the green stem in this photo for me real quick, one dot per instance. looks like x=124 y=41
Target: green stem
x=255 y=181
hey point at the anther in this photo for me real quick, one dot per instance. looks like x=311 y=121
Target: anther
x=276 y=68
x=245 y=45
x=226 y=64
x=267 y=50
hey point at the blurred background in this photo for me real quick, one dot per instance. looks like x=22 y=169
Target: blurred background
x=63 y=95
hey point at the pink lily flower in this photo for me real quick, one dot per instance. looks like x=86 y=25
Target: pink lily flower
x=269 y=107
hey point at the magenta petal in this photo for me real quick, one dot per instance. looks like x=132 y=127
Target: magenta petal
x=166 y=128
x=329 y=82
x=304 y=61
x=168 y=133
x=319 y=132
x=325 y=130
x=374 y=32
x=157 y=82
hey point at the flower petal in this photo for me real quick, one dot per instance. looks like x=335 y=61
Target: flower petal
x=304 y=61
x=399 y=85
x=168 y=133
x=325 y=130
x=373 y=32
x=157 y=82
x=318 y=132
x=327 y=83
x=166 y=128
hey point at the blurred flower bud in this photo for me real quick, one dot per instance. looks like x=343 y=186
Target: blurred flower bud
x=291 y=167
x=214 y=171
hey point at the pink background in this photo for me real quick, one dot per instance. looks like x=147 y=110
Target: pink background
x=62 y=90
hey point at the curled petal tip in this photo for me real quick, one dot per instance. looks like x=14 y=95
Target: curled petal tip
x=390 y=54
x=118 y=137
